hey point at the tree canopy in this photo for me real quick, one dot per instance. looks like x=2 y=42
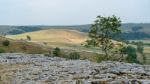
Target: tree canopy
x=102 y=31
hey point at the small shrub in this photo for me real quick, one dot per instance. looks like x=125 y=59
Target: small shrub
x=6 y=43
x=56 y=52
x=2 y=50
x=140 y=47
x=74 y=55
x=28 y=38
x=132 y=56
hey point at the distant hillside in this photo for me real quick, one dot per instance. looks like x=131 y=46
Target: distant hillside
x=134 y=31
x=131 y=31
x=63 y=38
x=23 y=29
x=54 y=37
x=68 y=40
x=18 y=29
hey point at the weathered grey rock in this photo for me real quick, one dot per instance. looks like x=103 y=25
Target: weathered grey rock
x=38 y=69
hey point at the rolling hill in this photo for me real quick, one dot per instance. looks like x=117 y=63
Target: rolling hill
x=63 y=38
x=54 y=37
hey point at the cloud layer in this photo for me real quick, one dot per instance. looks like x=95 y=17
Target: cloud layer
x=68 y=12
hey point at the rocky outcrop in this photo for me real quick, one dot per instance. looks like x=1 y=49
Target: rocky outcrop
x=38 y=69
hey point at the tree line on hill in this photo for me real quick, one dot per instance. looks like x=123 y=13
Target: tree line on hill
x=130 y=31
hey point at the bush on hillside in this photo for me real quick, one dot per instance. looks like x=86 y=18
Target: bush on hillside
x=28 y=38
x=74 y=55
x=6 y=43
x=2 y=50
x=132 y=56
x=140 y=47
x=57 y=52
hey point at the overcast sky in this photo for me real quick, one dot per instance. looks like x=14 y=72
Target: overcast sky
x=71 y=12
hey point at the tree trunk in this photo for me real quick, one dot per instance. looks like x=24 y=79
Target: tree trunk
x=106 y=54
x=121 y=58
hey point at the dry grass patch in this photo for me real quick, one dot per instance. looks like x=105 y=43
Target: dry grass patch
x=54 y=35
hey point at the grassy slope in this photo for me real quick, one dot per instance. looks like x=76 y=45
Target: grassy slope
x=63 y=38
x=22 y=46
x=54 y=35
x=16 y=46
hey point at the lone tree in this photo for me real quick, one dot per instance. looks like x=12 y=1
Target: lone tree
x=6 y=43
x=103 y=31
x=57 y=52
x=28 y=38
